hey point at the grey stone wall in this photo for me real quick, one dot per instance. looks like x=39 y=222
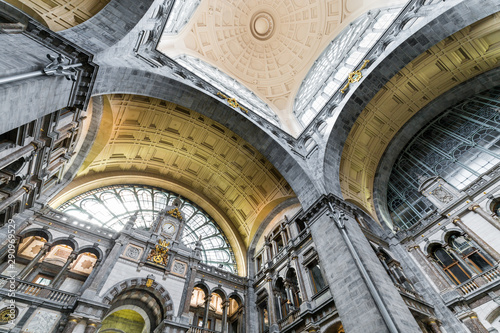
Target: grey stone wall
x=355 y=304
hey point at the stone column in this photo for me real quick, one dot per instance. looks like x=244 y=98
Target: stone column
x=271 y=307
x=298 y=271
x=477 y=209
x=429 y=269
x=225 y=305
x=13 y=198
x=279 y=315
x=91 y=327
x=33 y=262
x=17 y=155
x=267 y=246
x=63 y=270
x=473 y=324
x=71 y=324
x=462 y=262
x=359 y=284
x=289 y=294
x=188 y=291
x=100 y=278
x=207 y=309
x=434 y=325
x=479 y=241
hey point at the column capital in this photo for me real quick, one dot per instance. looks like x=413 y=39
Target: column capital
x=456 y=219
x=474 y=206
x=312 y=328
x=413 y=248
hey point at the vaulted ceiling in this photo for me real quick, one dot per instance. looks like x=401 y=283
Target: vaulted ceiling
x=60 y=14
x=150 y=141
x=462 y=56
x=268 y=46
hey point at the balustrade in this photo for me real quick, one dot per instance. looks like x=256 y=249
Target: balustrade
x=290 y=318
x=36 y=290
x=196 y=329
x=478 y=281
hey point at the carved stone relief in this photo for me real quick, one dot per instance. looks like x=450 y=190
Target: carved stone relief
x=133 y=252
x=179 y=268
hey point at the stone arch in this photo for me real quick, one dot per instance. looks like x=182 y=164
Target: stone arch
x=411 y=44
x=445 y=237
x=155 y=289
x=429 y=247
x=37 y=232
x=126 y=80
x=494 y=314
x=92 y=249
x=203 y=286
x=89 y=33
x=219 y=291
x=65 y=241
x=334 y=327
x=237 y=297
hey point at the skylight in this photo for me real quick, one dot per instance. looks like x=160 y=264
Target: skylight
x=180 y=15
x=340 y=58
x=112 y=206
x=228 y=86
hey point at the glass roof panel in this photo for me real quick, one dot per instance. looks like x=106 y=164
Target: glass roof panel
x=112 y=206
x=228 y=86
x=181 y=13
x=343 y=54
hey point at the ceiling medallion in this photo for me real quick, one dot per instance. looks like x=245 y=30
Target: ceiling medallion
x=262 y=25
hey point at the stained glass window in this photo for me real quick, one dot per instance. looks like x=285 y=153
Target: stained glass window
x=459 y=146
x=112 y=206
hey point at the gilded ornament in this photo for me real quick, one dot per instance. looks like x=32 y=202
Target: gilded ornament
x=175 y=213
x=354 y=76
x=232 y=102
x=159 y=255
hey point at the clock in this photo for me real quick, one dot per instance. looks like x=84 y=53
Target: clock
x=168 y=228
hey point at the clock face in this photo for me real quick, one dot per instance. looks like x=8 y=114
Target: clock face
x=168 y=228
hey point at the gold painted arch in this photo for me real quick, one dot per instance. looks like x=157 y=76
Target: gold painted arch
x=156 y=142
x=60 y=14
x=467 y=53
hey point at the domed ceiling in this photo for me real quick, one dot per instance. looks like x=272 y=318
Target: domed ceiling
x=267 y=46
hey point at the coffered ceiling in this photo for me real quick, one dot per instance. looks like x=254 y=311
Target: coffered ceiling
x=177 y=146
x=268 y=46
x=60 y=14
x=465 y=54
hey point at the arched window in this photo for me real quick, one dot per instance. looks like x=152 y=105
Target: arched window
x=293 y=285
x=263 y=313
x=496 y=208
x=458 y=146
x=282 y=297
x=471 y=255
x=111 y=206
x=451 y=266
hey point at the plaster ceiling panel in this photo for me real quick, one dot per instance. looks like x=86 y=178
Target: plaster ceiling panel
x=184 y=146
x=467 y=53
x=60 y=14
x=268 y=46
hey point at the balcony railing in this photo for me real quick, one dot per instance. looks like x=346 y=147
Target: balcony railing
x=479 y=281
x=409 y=292
x=196 y=329
x=37 y=290
x=290 y=318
